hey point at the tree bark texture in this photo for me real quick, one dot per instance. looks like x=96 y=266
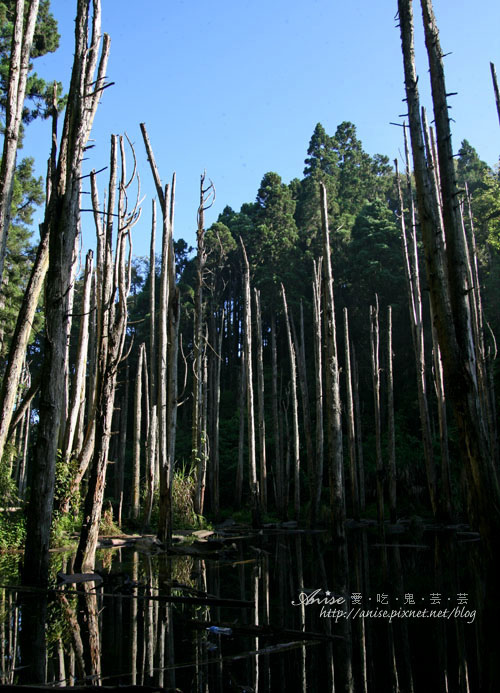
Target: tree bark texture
x=114 y=286
x=446 y=273
x=61 y=226
x=332 y=399
x=295 y=410
x=247 y=331
x=22 y=39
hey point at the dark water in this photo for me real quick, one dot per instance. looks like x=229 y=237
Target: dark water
x=413 y=618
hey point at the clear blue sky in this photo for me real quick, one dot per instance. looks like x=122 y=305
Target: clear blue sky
x=236 y=87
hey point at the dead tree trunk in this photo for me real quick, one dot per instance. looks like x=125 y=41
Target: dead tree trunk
x=169 y=306
x=154 y=462
x=241 y=433
x=446 y=272
x=359 y=433
x=350 y=421
x=304 y=393
x=77 y=399
x=22 y=38
x=332 y=399
x=260 y=404
x=22 y=331
x=252 y=463
x=61 y=225
x=412 y=274
x=295 y=411
x=374 y=349
x=495 y=88
x=115 y=278
x=199 y=434
x=136 y=464
x=391 y=433
x=318 y=364
x=278 y=456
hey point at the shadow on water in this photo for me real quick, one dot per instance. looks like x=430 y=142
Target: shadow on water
x=271 y=611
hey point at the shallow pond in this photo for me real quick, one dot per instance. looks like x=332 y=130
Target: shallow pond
x=270 y=611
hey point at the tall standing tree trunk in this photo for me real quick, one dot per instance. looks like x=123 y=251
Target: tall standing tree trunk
x=136 y=464
x=412 y=274
x=115 y=279
x=61 y=226
x=304 y=394
x=375 y=358
x=22 y=39
x=318 y=365
x=260 y=404
x=169 y=306
x=77 y=399
x=241 y=431
x=295 y=411
x=332 y=399
x=278 y=456
x=22 y=331
x=495 y=88
x=391 y=432
x=359 y=433
x=152 y=459
x=351 y=433
x=446 y=273
x=247 y=331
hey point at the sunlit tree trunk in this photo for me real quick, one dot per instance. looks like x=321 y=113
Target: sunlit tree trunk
x=446 y=273
x=22 y=38
x=61 y=226
x=351 y=435
x=260 y=404
x=318 y=365
x=295 y=410
x=332 y=399
x=115 y=279
x=391 y=432
x=247 y=332
x=375 y=356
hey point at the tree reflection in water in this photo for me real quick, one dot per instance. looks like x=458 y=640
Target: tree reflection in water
x=153 y=620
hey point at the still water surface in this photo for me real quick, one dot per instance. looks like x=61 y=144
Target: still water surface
x=275 y=611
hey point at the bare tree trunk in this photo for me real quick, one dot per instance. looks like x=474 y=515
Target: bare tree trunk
x=374 y=348
x=446 y=272
x=115 y=279
x=278 y=456
x=495 y=88
x=350 y=420
x=61 y=225
x=391 y=433
x=318 y=363
x=443 y=425
x=260 y=404
x=241 y=434
x=152 y=459
x=417 y=329
x=359 y=435
x=199 y=435
x=119 y=468
x=17 y=352
x=216 y=373
x=304 y=393
x=333 y=406
x=136 y=466
x=295 y=411
x=169 y=306
x=252 y=463
x=22 y=39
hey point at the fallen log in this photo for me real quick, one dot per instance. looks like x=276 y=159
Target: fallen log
x=265 y=631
